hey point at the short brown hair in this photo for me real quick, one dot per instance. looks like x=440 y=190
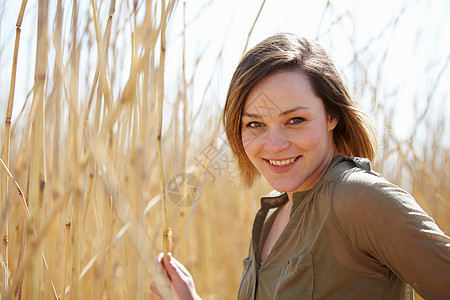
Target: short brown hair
x=353 y=134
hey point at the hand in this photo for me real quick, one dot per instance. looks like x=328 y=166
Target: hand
x=177 y=284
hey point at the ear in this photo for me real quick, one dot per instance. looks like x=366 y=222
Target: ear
x=332 y=122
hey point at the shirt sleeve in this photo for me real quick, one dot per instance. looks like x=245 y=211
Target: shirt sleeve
x=385 y=223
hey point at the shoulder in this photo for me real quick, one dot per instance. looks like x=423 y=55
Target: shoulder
x=356 y=186
x=365 y=205
x=382 y=221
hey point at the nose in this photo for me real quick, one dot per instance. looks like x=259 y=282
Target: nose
x=276 y=141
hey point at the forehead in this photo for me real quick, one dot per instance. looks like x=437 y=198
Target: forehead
x=281 y=91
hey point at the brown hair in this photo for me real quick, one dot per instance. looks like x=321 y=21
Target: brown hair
x=353 y=134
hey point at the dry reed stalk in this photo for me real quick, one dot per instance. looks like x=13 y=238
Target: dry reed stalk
x=56 y=165
x=19 y=190
x=167 y=233
x=99 y=79
x=78 y=237
x=65 y=260
x=181 y=147
x=136 y=170
x=103 y=55
x=184 y=93
x=102 y=52
x=36 y=180
x=37 y=236
x=6 y=145
x=135 y=183
x=253 y=26
x=56 y=99
x=145 y=122
x=74 y=59
x=74 y=209
x=104 y=256
x=122 y=208
x=129 y=89
x=29 y=258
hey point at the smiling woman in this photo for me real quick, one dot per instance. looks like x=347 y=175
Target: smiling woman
x=333 y=228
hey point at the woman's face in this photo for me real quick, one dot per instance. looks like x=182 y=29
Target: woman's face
x=286 y=133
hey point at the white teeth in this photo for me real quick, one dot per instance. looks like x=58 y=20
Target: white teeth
x=281 y=162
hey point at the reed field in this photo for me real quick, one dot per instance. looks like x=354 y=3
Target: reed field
x=106 y=141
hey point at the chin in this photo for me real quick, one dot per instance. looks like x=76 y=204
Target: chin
x=284 y=187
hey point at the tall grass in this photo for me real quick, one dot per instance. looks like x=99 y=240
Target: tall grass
x=80 y=190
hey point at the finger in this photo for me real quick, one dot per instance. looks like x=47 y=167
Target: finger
x=163 y=284
x=159 y=257
x=155 y=296
x=172 y=268
x=158 y=263
x=170 y=259
x=160 y=279
x=154 y=289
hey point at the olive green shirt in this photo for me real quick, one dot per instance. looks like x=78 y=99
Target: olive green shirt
x=353 y=236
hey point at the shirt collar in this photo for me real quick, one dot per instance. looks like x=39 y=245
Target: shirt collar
x=277 y=199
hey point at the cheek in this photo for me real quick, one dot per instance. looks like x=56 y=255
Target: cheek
x=250 y=143
x=310 y=139
x=247 y=139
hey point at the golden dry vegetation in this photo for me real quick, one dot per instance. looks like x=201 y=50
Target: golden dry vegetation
x=80 y=189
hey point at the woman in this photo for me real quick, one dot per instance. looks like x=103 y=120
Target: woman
x=334 y=228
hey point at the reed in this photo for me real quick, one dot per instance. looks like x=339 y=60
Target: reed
x=6 y=149
x=167 y=233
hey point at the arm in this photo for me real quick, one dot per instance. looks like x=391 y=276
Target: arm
x=177 y=284
x=384 y=222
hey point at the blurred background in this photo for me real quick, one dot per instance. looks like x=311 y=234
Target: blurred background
x=82 y=86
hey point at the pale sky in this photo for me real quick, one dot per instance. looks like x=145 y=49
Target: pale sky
x=410 y=36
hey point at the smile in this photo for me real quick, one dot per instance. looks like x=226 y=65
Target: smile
x=282 y=163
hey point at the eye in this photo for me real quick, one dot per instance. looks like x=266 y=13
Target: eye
x=254 y=124
x=295 y=121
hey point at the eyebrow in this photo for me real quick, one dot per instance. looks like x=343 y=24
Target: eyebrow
x=281 y=114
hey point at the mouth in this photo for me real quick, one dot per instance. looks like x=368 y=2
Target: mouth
x=283 y=162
